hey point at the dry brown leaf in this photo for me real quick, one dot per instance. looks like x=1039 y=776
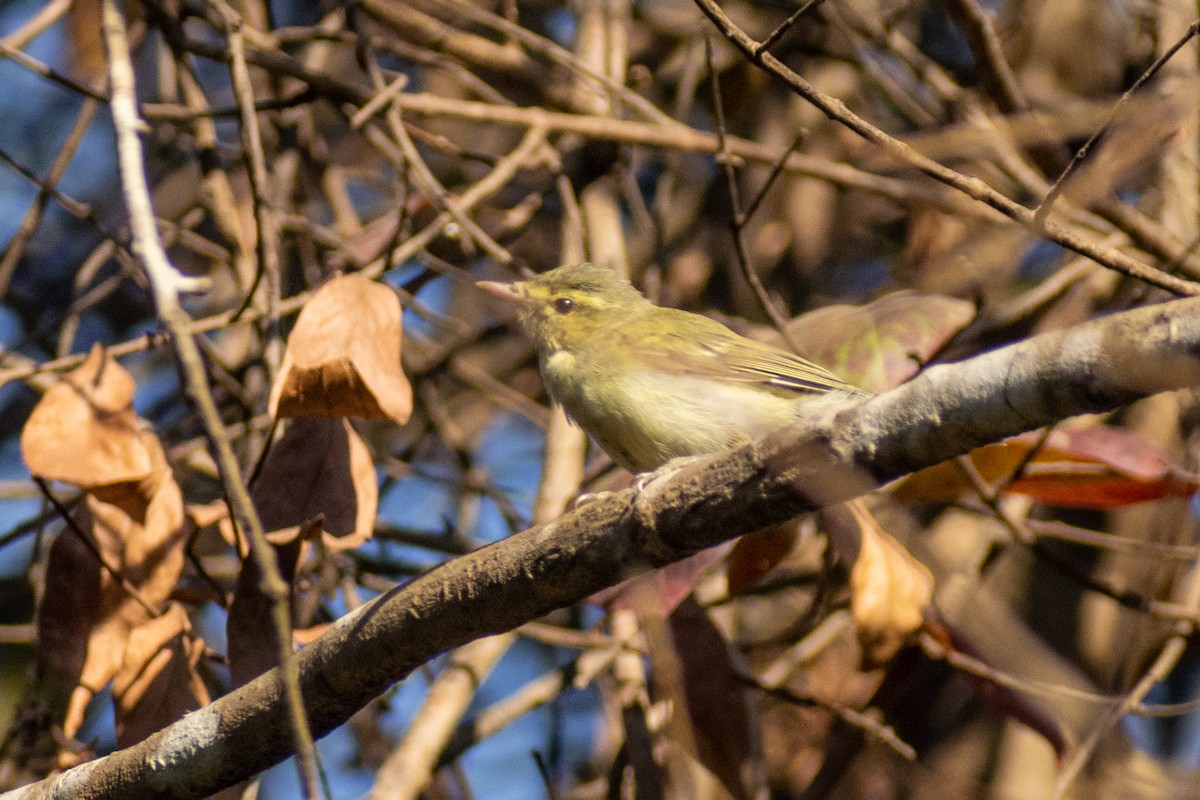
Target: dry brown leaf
x=250 y=627
x=756 y=554
x=86 y=613
x=157 y=682
x=890 y=590
x=318 y=479
x=84 y=430
x=343 y=357
x=141 y=529
x=68 y=608
x=203 y=515
x=83 y=38
x=720 y=723
x=319 y=468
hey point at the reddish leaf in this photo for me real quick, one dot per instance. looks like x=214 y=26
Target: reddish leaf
x=756 y=554
x=665 y=588
x=1101 y=467
x=1096 y=467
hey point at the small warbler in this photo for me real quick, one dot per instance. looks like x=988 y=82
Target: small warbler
x=651 y=384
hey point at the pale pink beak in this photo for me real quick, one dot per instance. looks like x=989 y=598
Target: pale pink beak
x=509 y=292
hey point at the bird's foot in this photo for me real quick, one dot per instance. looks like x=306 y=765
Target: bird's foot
x=644 y=479
x=645 y=485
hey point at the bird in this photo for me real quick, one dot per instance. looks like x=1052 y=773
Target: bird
x=652 y=384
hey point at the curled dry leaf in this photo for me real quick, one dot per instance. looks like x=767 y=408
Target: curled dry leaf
x=320 y=469
x=250 y=626
x=157 y=682
x=890 y=590
x=84 y=430
x=343 y=357
x=86 y=613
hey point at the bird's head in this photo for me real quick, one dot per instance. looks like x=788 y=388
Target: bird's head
x=565 y=308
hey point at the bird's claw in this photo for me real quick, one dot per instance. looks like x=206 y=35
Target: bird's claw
x=668 y=469
x=644 y=485
x=588 y=498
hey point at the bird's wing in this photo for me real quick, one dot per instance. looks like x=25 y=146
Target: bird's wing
x=700 y=346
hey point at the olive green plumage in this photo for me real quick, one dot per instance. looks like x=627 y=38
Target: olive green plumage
x=650 y=383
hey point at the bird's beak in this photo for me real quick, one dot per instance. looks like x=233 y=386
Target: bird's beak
x=509 y=292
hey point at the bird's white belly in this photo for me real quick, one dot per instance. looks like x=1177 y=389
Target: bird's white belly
x=645 y=419
x=687 y=405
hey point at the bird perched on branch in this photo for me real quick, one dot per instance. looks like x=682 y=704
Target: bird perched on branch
x=652 y=384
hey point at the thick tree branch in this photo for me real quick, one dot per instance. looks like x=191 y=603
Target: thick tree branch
x=944 y=412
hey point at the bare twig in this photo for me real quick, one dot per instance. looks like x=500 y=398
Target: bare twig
x=426 y=181
x=1054 y=529
x=1158 y=671
x=785 y=26
x=33 y=65
x=264 y=208
x=533 y=695
x=1021 y=533
x=46 y=16
x=166 y=284
x=47 y=189
x=1043 y=209
x=869 y=723
x=501 y=174
x=738 y=219
x=996 y=74
x=677 y=136
x=559 y=55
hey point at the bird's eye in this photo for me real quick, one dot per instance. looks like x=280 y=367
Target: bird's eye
x=563 y=305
